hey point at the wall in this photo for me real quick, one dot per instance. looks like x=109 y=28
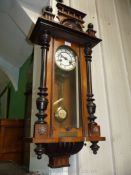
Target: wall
x=111 y=73
x=112 y=88
x=17 y=98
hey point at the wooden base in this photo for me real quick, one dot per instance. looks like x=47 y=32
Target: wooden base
x=58 y=153
x=95 y=138
x=59 y=161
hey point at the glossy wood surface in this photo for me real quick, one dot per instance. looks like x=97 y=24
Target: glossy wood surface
x=11 y=140
x=56 y=129
x=56 y=135
x=62 y=32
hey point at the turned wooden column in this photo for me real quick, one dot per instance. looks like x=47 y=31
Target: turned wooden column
x=93 y=128
x=42 y=101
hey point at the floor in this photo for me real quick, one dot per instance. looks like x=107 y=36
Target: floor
x=11 y=168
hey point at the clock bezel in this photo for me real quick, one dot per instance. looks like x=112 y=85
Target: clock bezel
x=74 y=56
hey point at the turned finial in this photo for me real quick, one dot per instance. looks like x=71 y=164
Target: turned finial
x=90 y=26
x=91 y=30
x=48 y=9
x=59 y=1
x=47 y=13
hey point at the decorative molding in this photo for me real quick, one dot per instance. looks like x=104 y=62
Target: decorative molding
x=70 y=17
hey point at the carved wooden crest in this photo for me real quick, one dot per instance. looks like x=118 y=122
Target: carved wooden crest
x=70 y=17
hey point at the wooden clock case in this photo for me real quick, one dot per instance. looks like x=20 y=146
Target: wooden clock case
x=61 y=141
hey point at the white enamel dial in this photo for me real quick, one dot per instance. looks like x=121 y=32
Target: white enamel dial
x=65 y=58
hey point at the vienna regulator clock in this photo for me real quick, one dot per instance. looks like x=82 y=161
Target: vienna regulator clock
x=65 y=100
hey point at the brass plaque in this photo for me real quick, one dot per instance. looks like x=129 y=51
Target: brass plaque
x=68 y=134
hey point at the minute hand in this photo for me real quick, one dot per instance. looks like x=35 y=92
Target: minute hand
x=64 y=57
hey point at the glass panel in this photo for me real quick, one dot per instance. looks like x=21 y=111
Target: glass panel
x=67 y=108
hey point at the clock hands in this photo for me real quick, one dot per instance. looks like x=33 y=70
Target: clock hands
x=62 y=56
x=65 y=58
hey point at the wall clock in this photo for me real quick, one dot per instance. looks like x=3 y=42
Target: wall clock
x=65 y=100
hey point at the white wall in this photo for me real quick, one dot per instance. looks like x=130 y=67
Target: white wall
x=112 y=88
x=111 y=73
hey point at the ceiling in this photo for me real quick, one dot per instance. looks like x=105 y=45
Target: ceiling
x=34 y=5
x=13 y=45
x=17 y=17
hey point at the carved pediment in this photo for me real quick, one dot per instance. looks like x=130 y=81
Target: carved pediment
x=70 y=17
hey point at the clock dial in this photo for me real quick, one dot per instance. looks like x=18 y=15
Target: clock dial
x=65 y=58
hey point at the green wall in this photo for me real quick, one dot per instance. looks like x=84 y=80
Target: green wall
x=17 y=99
